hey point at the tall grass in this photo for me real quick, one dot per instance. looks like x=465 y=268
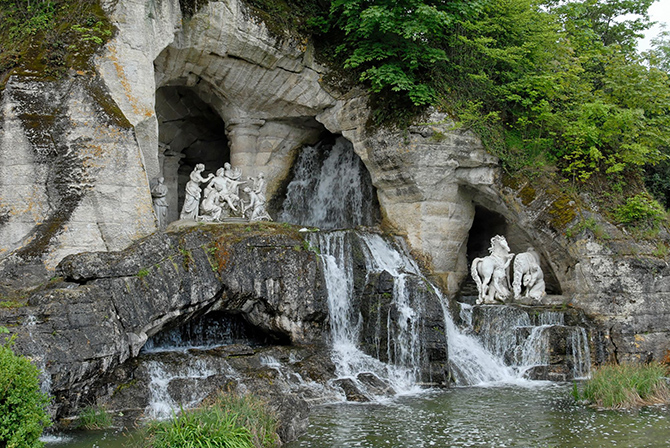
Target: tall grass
x=627 y=386
x=229 y=421
x=94 y=418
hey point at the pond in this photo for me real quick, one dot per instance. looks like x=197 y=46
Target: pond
x=501 y=416
x=533 y=414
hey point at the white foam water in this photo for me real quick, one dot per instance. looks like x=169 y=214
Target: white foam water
x=331 y=189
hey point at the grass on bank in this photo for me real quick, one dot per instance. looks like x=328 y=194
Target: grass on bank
x=94 y=417
x=229 y=421
x=626 y=386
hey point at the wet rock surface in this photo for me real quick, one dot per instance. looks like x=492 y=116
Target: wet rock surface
x=108 y=304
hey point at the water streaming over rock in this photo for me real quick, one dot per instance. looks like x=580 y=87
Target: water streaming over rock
x=537 y=343
x=404 y=362
x=331 y=189
x=346 y=320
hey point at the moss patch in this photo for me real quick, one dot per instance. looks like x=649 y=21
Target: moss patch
x=46 y=39
x=562 y=212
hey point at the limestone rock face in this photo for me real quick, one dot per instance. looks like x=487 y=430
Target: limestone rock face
x=111 y=302
x=71 y=176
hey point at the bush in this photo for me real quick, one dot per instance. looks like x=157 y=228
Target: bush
x=229 y=421
x=23 y=413
x=626 y=386
x=641 y=210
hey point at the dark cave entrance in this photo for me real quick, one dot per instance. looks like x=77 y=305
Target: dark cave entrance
x=487 y=224
x=189 y=132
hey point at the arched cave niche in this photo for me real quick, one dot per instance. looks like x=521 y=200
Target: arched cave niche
x=329 y=187
x=487 y=224
x=214 y=329
x=189 y=132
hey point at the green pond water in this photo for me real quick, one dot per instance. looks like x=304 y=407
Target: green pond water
x=501 y=416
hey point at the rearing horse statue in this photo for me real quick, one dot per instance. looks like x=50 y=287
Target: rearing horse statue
x=491 y=274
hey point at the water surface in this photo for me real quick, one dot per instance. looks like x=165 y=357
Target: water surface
x=501 y=416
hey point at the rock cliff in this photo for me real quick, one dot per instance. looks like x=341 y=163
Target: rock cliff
x=77 y=157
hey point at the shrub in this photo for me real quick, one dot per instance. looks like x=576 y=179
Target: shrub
x=640 y=210
x=23 y=413
x=627 y=385
x=229 y=421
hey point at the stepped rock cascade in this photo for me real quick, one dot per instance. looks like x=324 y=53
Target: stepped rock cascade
x=537 y=344
x=331 y=189
x=384 y=334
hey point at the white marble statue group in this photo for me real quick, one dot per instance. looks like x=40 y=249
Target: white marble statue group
x=221 y=197
x=492 y=274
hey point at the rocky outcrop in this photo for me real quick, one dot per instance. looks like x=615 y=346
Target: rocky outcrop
x=287 y=378
x=109 y=303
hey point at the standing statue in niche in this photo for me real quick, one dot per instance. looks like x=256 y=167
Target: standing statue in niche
x=232 y=187
x=259 y=186
x=158 y=194
x=192 y=199
x=491 y=274
x=528 y=275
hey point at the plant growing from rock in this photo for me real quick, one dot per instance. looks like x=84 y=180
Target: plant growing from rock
x=229 y=421
x=94 y=417
x=23 y=414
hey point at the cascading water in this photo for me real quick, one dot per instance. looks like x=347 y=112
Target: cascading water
x=331 y=189
x=345 y=320
x=524 y=340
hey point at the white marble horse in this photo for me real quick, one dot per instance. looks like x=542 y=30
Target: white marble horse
x=491 y=274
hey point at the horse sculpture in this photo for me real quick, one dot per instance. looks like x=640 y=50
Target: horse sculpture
x=491 y=273
x=528 y=274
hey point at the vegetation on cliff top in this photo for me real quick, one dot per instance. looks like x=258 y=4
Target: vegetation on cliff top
x=46 y=38
x=550 y=86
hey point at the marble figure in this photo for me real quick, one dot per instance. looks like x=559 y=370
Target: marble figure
x=491 y=273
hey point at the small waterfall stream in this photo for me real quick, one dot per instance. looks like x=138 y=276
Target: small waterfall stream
x=331 y=189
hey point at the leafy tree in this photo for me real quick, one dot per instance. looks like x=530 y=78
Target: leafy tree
x=395 y=43
x=22 y=406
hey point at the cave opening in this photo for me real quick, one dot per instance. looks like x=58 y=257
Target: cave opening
x=190 y=131
x=487 y=224
x=214 y=329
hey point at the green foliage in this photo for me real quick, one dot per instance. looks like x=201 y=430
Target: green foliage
x=230 y=422
x=394 y=45
x=23 y=413
x=143 y=273
x=640 y=210
x=95 y=32
x=94 y=417
x=587 y=224
x=545 y=83
x=626 y=386
x=47 y=37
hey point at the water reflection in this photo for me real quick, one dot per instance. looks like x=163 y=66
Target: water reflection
x=485 y=417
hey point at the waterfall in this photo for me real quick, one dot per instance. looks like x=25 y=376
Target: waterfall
x=579 y=344
x=524 y=340
x=161 y=404
x=345 y=320
x=209 y=331
x=331 y=189
x=470 y=362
